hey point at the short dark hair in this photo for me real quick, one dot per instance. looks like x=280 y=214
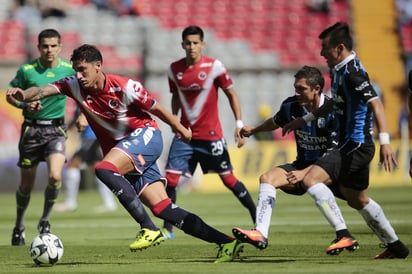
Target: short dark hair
x=339 y=33
x=88 y=53
x=48 y=33
x=192 y=30
x=312 y=75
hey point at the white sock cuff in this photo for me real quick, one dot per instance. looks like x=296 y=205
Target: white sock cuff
x=316 y=187
x=267 y=187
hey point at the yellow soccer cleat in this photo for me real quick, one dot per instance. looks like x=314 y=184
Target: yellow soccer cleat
x=229 y=251
x=146 y=238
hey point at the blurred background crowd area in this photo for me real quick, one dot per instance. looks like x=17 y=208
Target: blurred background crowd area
x=261 y=42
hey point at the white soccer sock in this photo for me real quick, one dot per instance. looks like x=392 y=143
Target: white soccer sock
x=106 y=194
x=377 y=221
x=72 y=182
x=266 y=203
x=326 y=203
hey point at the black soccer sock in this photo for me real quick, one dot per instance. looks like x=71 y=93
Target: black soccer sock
x=343 y=233
x=244 y=197
x=125 y=193
x=188 y=222
x=50 y=195
x=22 y=202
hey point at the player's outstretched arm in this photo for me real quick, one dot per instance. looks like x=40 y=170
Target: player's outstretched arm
x=267 y=125
x=33 y=93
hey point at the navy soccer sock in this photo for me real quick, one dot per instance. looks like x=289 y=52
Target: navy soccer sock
x=188 y=222
x=125 y=192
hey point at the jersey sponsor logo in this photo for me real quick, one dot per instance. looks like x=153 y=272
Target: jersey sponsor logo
x=362 y=86
x=192 y=87
x=206 y=64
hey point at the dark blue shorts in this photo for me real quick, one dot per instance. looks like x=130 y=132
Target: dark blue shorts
x=212 y=156
x=143 y=146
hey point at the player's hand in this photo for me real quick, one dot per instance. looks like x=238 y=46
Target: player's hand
x=387 y=158
x=185 y=135
x=17 y=93
x=295 y=176
x=246 y=131
x=240 y=141
x=81 y=123
x=34 y=106
x=292 y=125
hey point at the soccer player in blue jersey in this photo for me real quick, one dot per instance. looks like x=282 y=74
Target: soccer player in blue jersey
x=312 y=141
x=355 y=104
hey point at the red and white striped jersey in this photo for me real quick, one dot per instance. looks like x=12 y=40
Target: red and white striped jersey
x=113 y=112
x=197 y=87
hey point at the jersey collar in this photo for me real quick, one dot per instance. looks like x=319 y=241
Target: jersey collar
x=345 y=61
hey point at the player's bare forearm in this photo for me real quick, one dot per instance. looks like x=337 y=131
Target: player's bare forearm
x=267 y=125
x=32 y=94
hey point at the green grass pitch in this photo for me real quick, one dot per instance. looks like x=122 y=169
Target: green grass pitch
x=98 y=243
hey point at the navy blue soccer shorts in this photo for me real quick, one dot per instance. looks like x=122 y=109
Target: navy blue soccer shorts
x=143 y=146
x=213 y=156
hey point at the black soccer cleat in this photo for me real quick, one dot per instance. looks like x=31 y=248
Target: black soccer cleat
x=44 y=227
x=396 y=250
x=17 y=238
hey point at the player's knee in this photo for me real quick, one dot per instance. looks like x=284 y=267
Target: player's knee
x=55 y=178
x=172 y=179
x=229 y=180
x=268 y=178
x=105 y=165
x=104 y=170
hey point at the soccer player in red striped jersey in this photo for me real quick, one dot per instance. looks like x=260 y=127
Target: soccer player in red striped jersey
x=194 y=82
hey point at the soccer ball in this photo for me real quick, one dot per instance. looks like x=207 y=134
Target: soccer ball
x=46 y=249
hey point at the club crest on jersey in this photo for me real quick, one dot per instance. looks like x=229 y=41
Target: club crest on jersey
x=179 y=75
x=321 y=122
x=89 y=99
x=202 y=75
x=113 y=103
